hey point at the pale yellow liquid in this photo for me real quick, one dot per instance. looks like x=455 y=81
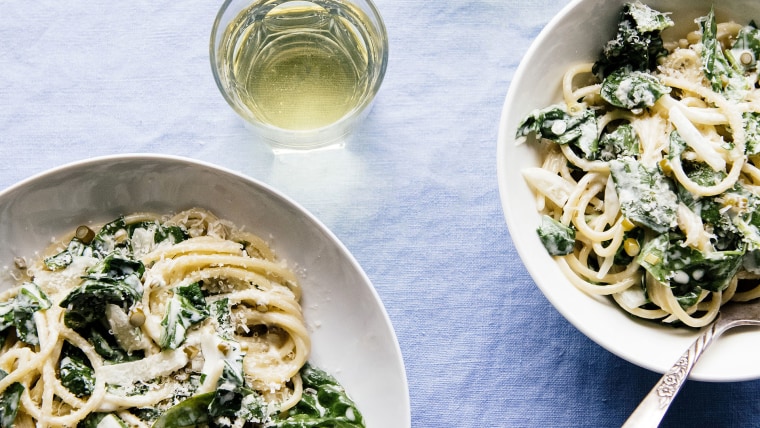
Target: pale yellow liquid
x=301 y=67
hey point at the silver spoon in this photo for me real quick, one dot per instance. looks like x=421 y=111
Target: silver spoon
x=652 y=408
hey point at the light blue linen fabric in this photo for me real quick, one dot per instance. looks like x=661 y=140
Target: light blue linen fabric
x=414 y=197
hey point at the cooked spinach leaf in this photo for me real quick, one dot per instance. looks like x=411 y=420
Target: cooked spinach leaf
x=637 y=44
x=146 y=235
x=118 y=269
x=701 y=173
x=114 y=280
x=647 y=20
x=110 y=237
x=233 y=400
x=632 y=89
x=65 y=257
x=556 y=124
x=9 y=402
x=647 y=196
x=186 y=308
x=324 y=404
x=87 y=303
x=556 y=237
x=723 y=77
x=160 y=232
x=622 y=141
x=732 y=217
x=75 y=371
x=719 y=221
x=191 y=412
x=19 y=312
x=106 y=345
x=687 y=270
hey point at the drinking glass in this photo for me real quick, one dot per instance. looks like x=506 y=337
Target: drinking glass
x=303 y=74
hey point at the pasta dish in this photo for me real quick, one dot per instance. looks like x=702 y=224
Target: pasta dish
x=649 y=186
x=163 y=321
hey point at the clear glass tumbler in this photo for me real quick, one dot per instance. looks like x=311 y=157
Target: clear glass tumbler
x=302 y=74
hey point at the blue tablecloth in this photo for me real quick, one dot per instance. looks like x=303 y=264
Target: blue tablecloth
x=414 y=197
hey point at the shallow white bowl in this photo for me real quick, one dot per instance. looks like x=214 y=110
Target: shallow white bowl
x=577 y=34
x=351 y=334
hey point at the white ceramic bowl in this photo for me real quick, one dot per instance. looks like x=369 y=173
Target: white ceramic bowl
x=351 y=334
x=577 y=34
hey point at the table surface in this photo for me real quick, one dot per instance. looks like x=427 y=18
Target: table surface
x=414 y=197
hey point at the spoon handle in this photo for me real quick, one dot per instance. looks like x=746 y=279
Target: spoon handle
x=652 y=408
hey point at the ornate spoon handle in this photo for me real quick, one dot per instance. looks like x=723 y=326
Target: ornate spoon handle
x=652 y=408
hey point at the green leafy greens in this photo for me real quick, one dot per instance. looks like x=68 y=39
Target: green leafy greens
x=324 y=404
x=19 y=312
x=75 y=371
x=114 y=280
x=646 y=195
x=687 y=270
x=722 y=75
x=556 y=124
x=637 y=44
x=186 y=308
x=632 y=89
x=557 y=238
x=9 y=402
